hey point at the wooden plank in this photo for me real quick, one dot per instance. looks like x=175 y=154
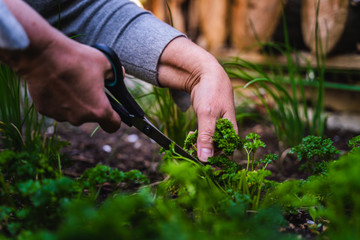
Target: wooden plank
x=335 y=100
x=213 y=23
x=253 y=21
x=338 y=25
x=337 y=62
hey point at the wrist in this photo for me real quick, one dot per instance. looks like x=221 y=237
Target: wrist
x=183 y=65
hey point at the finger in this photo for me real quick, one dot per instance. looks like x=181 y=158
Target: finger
x=206 y=128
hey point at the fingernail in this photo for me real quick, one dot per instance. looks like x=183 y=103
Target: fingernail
x=205 y=153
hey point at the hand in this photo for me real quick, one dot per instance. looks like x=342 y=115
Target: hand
x=212 y=98
x=65 y=78
x=67 y=84
x=185 y=66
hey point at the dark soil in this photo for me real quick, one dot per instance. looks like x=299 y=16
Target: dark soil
x=125 y=149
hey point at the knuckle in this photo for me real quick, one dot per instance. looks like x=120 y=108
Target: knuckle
x=205 y=111
x=205 y=136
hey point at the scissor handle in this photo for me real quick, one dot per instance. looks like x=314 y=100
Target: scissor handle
x=117 y=86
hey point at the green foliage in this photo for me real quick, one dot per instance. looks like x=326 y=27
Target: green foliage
x=227 y=175
x=268 y=159
x=225 y=137
x=224 y=163
x=34 y=194
x=341 y=190
x=101 y=174
x=190 y=143
x=145 y=216
x=251 y=143
x=331 y=199
x=21 y=127
x=315 y=152
x=191 y=185
x=32 y=191
x=194 y=200
x=354 y=143
x=93 y=179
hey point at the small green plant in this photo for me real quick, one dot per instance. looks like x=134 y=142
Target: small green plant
x=354 y=143
x=228 y=175
x=94 y=178
x=315 y=152
x=251 y=143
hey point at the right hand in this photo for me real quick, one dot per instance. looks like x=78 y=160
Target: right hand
x=67 y=83
x=65 y=78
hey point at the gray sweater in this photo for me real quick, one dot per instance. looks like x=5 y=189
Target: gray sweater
x=134 y=33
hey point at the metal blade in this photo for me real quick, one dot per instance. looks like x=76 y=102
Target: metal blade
x=145 y=126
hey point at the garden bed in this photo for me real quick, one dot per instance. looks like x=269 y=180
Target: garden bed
x=129 y=149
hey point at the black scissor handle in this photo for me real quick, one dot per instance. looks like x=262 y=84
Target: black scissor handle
x=117 y=86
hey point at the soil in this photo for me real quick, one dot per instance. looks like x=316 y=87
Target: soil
x=130 y=149
x=125 y=149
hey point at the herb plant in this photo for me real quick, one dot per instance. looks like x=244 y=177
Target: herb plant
x=229 y=176
x=314 y=152
x=94 y=178
x=225 y=137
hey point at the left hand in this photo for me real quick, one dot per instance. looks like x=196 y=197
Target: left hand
x=186 y=66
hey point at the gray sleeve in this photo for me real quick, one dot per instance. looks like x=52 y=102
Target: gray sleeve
x=136 y=35
x=12 y=34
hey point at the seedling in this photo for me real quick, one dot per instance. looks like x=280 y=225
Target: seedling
x=251 y=144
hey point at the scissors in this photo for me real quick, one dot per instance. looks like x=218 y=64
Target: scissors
x=128 y=109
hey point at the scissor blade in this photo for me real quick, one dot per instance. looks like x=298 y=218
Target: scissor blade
x=145 y=126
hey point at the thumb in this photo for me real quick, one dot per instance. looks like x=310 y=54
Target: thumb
x=206 y=128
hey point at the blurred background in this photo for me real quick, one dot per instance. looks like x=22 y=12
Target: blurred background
x=245 y=28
